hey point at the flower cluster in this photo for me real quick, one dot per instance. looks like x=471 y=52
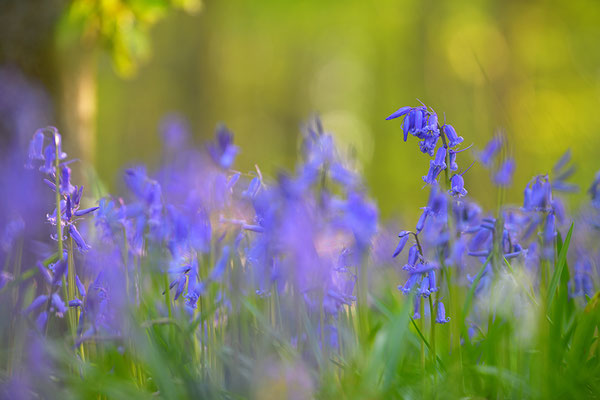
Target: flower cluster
x=66 y=214
x=452 y=227
x=207 y=252
x=302 y=236
x=312 y=229
x=433 y=222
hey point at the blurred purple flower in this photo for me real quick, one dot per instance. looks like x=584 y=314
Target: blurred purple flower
x=505 y=173
x=223 y=151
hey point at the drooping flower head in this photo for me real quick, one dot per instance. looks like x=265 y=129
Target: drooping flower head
x=223 y=151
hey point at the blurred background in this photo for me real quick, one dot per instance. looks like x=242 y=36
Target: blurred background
x=107 y=72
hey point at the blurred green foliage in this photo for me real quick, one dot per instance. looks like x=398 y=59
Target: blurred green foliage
x=530 y=68
x=120 y=26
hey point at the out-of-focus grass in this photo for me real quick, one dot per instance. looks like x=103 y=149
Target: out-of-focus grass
x=534 y=346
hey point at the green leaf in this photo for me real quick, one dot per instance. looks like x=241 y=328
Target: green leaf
x=581 y=348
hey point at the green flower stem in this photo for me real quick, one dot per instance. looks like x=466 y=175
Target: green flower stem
x=451 y=278
x=73 y=317
x=422 y=325
x=58 y=210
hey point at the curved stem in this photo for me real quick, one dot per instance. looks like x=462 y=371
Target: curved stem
x=416 y=235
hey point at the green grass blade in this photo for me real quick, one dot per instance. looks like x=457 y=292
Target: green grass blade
x=439 y=360
x=560 y=263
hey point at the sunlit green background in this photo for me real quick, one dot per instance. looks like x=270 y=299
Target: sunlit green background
x=531 y=68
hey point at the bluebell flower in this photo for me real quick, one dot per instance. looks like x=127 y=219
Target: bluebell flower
x=481 y=254
x=50 y=150
x=503 y=176
x=416 y=307
x=361 y=218
x=45 y=272
x=549 y=228
x=432 y=174
x=432 y=281
x=422 y=219
x=513 y=254
x=36 y=148
x=582 y=284
x=491 y=150
x=59 y=269
x=413 y=256
x=180 y=286
x=424 y=289
x=538 y=195
x=65 y=180
x=343 y=176
x=558 y=208
x=41 y=320
x=532 y=256
x=85 y=211
x=406 y=127
x=480 y=239
x=459 y=248
x=76 y=196
x=438 y=203
x=403 y=240
x=453 y=164
x=440 y=158
x=457 y=186
x=136 y=179
x=453 y=139
x=562 y=186
x=107 y=218
x=175 y=131
x=429 y=143
x=419 y=122
x=399 y=113
x=318 y=147
x=424 y=267
x=253 y=188
x=562 y=162
x=75 y=303
x=59 y=306
x=180 y=279
x=432 y=122
x=36 y=303
x=80 y=287
x=11 y=232
x=81 y=244
x=232 y=180
x=223 y=152
x=561 y=171
x=335 y=299
x=441 y=314
x=466 y=214
x=49 y=156
x=410 y=283
x=594 y=191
